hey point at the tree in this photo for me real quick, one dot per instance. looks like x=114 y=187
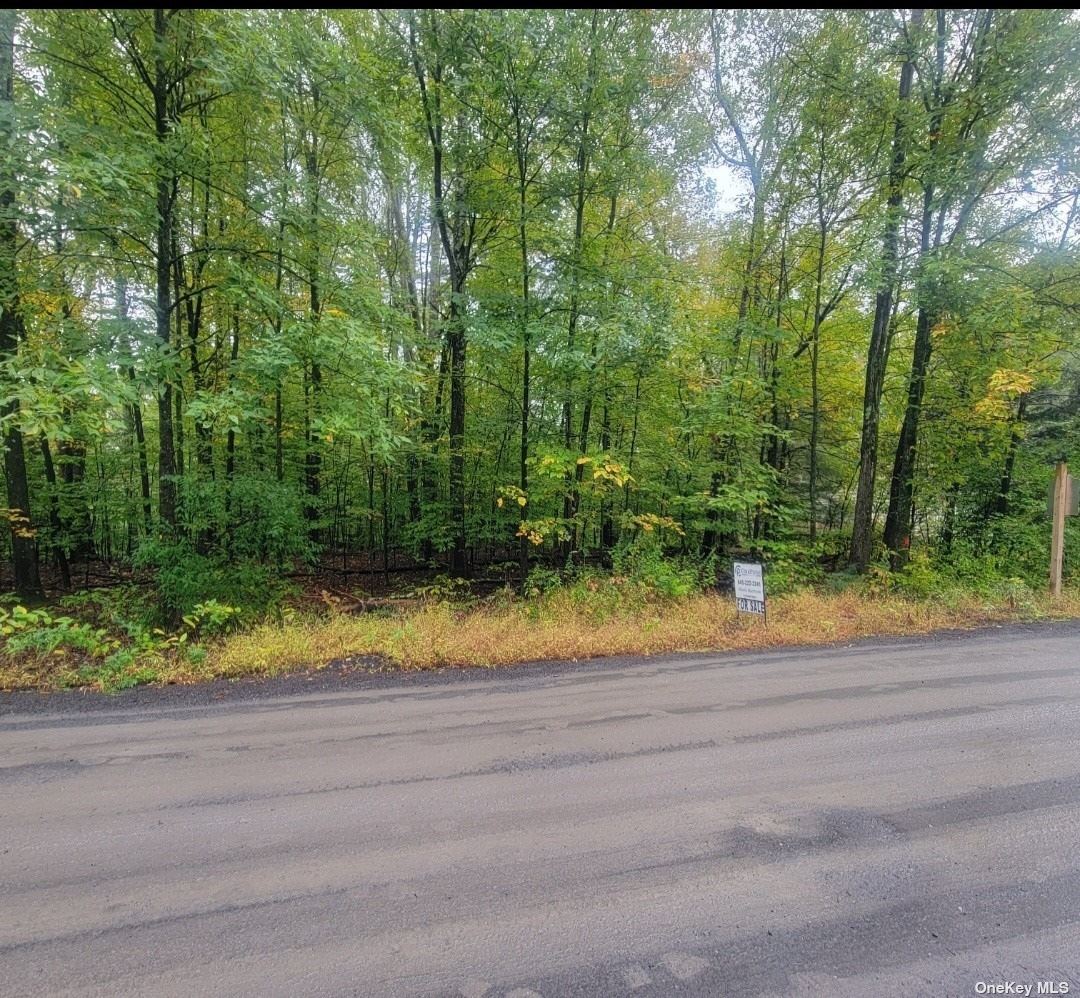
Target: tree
x=880 y=335
x=460 y=140
x=20 y=524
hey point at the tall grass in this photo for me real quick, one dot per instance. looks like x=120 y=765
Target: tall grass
x=561 y=626
x=594 y=617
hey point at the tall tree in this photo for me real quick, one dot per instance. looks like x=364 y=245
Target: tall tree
x=20 y=524
x=459 y=139
x=862 y=538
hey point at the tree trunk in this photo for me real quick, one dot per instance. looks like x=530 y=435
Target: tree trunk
x=144 y=463
x=56 y=523
x=863 y=529
x=607 y=523
x=135 y=408
x=429 y=434
x=1001 y=500
x=165 y=193
x=457 y=343
x=23 y=552
x=234 y=354
x=898 y=520
x=523 y=457
x=587 y=407
x=230 y=439
x=407 y=275
x=313 y=457
x=582 y=158
x=815 y=391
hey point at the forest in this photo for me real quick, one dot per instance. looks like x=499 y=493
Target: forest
x=310 y=305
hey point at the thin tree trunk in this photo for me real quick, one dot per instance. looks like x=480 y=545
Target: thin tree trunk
x=313 y=457
x=815 y=391
x=191 y=315
x=135 y=407
x=230 y=439
x=144 y=464
x=1001 y=500
x=429 y=433
x=406 y=270
x=457 y=344
x=386 y=524
x=877 y=355
x=457 y=235
x=587 y=407
x=279 y=274
x=165 y=193
x=523 y=457
x=898 y=520
x=178 y=424
x=279 y=452
x=582 y=159
x=20 y=525
x=56 y=523
x=234 y=354
x=607 y=523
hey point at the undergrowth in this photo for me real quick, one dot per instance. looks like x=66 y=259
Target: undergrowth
x=202 y=619
x=591 y=617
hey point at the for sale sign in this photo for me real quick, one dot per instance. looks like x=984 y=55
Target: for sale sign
x=749 y=587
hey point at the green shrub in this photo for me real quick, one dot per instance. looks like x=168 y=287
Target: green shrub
x=642 y=560
x=542 y=581
x=38 y=632
x=792 y=564
x=918 y=577
x=210 y=618
x=120 y=671
x=127 y=608
x=186 y=579
x=248 y=519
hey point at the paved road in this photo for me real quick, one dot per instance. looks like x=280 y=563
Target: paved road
x=895 y=819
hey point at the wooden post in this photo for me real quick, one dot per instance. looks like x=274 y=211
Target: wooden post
x=1057 y=543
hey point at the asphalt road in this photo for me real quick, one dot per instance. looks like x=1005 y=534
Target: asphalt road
x=891 y=819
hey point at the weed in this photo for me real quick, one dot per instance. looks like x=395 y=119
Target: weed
x=590 y=615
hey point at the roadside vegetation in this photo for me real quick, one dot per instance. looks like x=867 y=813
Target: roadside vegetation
x=184 y=631
x=461 y=337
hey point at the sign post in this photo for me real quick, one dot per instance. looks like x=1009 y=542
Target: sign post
x=749 y=579
x=1060 y=506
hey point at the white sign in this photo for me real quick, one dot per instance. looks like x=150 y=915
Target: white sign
x=749 y=587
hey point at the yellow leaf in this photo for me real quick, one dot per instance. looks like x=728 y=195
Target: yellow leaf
x=1006 y=382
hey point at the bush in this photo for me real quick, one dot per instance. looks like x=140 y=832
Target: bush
x=919 y=578
x=210 y=618
x=642 y=560
x=250 y=519
x=129 y=608
x=120 y=671
x=267 y=523
x=793 y=564
x=542 y=581
x=444 y=589
x=38 y=632
x=186 y=579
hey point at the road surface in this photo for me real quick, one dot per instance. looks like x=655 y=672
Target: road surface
x=890 y=819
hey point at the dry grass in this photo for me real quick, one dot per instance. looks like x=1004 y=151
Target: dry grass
x=441 y=635
x=568 y=624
